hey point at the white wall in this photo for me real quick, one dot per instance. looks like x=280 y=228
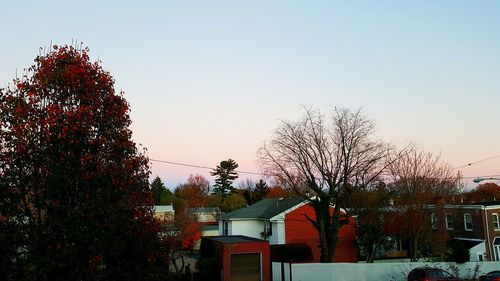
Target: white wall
x=251 y=228
x=278 y=236
x=368 y=272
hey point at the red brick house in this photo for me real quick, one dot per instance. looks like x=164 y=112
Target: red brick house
x=475 y=225
x=284 y=221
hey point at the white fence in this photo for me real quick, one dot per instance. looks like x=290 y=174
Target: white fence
x=397 y=271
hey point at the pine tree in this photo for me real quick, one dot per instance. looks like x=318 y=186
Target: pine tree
x=225 y=174
x=261 y=190
x=160 y=192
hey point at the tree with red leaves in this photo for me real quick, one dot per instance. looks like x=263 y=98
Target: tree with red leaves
x=194 y=191
x=489 y=191
x=75 y=202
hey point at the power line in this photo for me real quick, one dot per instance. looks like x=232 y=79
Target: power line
x=264 y=174
x=204 y=167
x=482 y=160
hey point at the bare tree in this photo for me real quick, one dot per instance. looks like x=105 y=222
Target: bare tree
x=422 y=183
x=324 y=160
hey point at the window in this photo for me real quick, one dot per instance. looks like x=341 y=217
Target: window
x=434 y=221
x=496 y=225
x=468 y=222
x=449 y=222
x=225 y=228
x=270 y=228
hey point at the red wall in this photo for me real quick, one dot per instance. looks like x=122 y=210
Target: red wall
x=300 y=230
x=243 y=248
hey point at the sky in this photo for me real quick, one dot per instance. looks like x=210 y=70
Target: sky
x=211 y=80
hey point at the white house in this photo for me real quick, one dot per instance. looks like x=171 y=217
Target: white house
x=287 y=221
x=262 y=220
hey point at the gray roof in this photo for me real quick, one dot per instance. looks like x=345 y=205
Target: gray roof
x=202 y=210
x=208 y=227
x=264 y=209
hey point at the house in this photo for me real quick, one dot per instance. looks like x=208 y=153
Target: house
x=477 y=225
x=164 y=212
x=284 y=221
x=204 y=215
x=207 y=222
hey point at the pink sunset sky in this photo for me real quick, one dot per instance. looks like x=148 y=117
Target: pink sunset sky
x=211 y=80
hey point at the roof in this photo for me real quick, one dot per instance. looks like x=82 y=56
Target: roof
x=163 y=208
x=264 y=209
x=235 y=239
x=210 y=227
x=202 y=210
x=488 y=203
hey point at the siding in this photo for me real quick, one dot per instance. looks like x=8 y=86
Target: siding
x=221 y=224
x=278 y=236
x=250 y=228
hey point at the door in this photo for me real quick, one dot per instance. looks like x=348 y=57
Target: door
x=245 y=267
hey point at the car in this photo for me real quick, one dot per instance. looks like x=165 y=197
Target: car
x=490 y=276
x=431 y=274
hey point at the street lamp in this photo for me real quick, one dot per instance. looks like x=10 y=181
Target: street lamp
x=480 y=179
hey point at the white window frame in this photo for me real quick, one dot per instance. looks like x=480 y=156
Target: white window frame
x=496 y=222
x=465 y=222
x=448 y=221
x=434 y=218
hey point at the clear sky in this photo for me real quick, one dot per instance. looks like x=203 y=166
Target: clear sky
x=210 y=80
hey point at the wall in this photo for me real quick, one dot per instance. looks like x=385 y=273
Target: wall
x=492 y=232
x=478 y=232
x=298 y=229
x=278 y=236
x=250 y=228
x=245 y=248
x=367 y=272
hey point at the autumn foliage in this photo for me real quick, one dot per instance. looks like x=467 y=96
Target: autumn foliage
x=74 y=186
x=194 y=191
x=484 y=192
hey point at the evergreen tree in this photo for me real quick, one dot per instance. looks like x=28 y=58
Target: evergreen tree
x=225 y=174
x=166 y=197
x=261 y=190
x=161 y=194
